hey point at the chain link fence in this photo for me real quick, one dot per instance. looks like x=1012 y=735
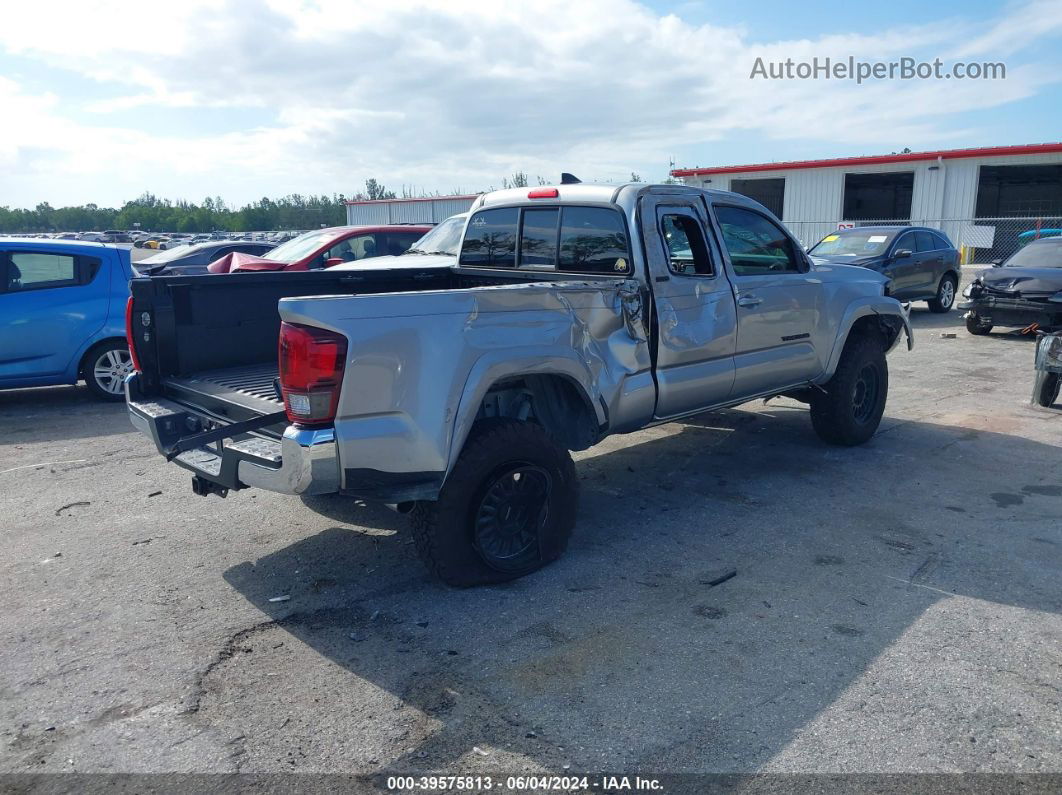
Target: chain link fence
x=984 y=239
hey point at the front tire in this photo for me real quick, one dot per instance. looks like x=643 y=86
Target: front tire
x=850 y=410
x=1046 y=388
x=105 y=368
x=976 y=326
x=945 y=299
x=506 y=510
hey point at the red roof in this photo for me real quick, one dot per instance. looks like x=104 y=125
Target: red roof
x=866 y=160
x=419 y=199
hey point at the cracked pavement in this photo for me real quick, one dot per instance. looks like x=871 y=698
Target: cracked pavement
x=896 y=607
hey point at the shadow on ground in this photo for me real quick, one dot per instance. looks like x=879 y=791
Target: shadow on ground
x=69 y=412
x=624 y=655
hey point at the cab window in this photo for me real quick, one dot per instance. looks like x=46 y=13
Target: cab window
x=593 y=240
x=573 y=239
x=538 y=238
x=490 y=239
x=684 y=242
x=756 y=244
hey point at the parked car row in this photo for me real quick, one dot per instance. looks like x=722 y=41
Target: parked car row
x=325 y=248
x=194 y=258
x=162 y=240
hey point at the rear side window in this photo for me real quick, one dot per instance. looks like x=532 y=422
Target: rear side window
x=926 y=241
x=593 y=240
x=490 y=240
x=25 y=270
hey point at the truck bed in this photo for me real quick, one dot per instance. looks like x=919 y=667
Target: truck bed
x=211 y=340
x=250 y=387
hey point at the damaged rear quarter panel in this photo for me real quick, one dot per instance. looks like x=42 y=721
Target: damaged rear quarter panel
x=419 y=364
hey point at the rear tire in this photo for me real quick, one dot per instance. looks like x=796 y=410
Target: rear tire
x=506 y=510
x=945 y=299
x=850 y=410
x=104 y=369
x=1046 y=388
x=976 y=327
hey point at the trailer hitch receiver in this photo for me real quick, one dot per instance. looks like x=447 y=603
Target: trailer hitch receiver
x=204 y=487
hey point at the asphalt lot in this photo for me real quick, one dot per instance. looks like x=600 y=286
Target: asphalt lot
x=896 y=607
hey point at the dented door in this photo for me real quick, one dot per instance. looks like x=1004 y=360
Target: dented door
x=695 y=313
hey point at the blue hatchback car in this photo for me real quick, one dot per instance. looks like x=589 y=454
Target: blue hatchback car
x=62 y=315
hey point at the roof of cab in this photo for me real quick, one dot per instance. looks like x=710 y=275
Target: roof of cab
x=604 y=194
x=578 y=192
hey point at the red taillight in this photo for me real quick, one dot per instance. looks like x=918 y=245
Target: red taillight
x=311 y=372
x=543 y=193
x=129 y=334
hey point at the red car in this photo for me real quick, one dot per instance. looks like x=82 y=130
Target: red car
x=323 y=248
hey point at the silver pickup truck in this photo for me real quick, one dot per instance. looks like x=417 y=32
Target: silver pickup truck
x=454 y=388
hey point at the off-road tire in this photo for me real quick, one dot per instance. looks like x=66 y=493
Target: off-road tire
x=834 y=413
x=976 y=327
x=444 y=531
x=1046 y=388
x=946 y=292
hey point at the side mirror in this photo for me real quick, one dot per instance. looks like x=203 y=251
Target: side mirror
x=903 y=253
x=331 y=261
x=997 y=263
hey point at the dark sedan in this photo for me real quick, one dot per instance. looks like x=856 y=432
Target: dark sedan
x=190 y=260
x=1026 y=290
x=920 y=263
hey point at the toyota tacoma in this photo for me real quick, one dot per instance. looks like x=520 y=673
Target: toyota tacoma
x=454 y=390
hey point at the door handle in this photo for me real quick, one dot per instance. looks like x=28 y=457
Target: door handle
x=749 y=300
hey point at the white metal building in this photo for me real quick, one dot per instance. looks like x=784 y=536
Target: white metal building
x=407 y=211
x=981 y=198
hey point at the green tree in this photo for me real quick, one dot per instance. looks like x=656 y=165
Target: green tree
x=374 y=190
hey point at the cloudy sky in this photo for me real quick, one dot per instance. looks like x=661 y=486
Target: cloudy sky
x=102 y=101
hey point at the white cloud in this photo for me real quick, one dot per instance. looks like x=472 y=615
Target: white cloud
x=442 y=95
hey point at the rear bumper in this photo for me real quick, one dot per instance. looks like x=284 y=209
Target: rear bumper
x=303 y=461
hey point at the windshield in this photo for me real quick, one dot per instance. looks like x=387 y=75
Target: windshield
x=443 y=239
x=299 y=247
x=1047 y=254
x=851 y=244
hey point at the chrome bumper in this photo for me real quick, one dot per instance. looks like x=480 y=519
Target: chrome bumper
x=304 y=461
